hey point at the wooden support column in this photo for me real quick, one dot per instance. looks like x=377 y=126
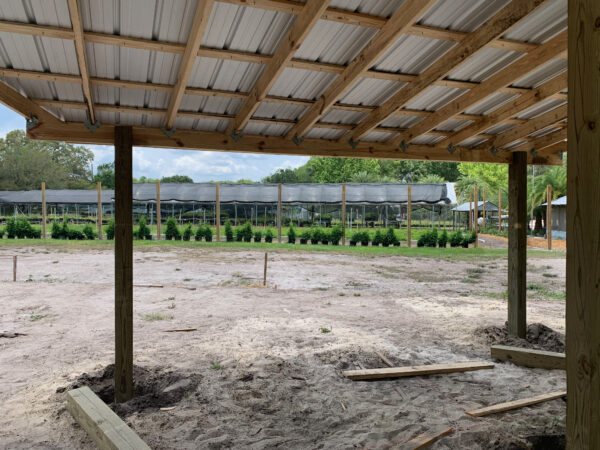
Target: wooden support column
x=123 y=264
x=279 y=213
x=158 y=215
x=583 y=227
x=408 y=213
x=343 y=214
x=517 y=244
x=44 y=209
x=476 y=215
x=470 y=211
x=218 y=210
x=99 y=210
x=499 y=210
x=483 y=209
x=549 y=216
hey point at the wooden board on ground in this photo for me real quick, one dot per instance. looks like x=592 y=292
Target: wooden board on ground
x=500 y=407
x=106 y=428
x=175 y=330
x=410 y=371
x=529 y=358
x=425 y=440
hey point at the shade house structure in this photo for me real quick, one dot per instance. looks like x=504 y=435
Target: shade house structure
x=440 y=80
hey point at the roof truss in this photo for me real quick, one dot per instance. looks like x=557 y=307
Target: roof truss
x=451 y=144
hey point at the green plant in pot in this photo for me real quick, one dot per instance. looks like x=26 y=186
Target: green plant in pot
x=257 y=236
x=305 y=237
x=292 y=235
x=336 y=234
x=172 y=231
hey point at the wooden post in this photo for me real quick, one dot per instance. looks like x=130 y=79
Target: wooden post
x=343 y=214
x=499 y=210
x=483 y=209
x=99 y=213
x=15 y=268
x=218 y=210
x=408 y=213
x=476 y=215
x=470 y=211
x=265 y=272
x=279 y=213
x=44 y=209
x=158 y=215
x=123 y=264
x=583 y=227
x=517 y=245
x=549 y=216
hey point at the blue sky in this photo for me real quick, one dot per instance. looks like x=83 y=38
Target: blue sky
x=200 y=166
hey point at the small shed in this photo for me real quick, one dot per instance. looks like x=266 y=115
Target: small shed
x=464 y=208
x=559 y=217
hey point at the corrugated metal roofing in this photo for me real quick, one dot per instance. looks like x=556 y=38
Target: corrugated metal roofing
x=260 y=31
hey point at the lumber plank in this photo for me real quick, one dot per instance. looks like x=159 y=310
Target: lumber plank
x=507 y=406
x=410 y=371
x=529 y=358
x=106 y=428
x=426 y=439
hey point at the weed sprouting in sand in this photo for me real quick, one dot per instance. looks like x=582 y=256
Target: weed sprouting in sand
x=217 y=366
x=36 y=317
x=153 y=317
x=324 y=330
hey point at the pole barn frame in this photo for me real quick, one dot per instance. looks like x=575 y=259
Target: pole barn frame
x=518 y=145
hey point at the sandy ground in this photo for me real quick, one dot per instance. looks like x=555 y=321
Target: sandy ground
x=260 y=372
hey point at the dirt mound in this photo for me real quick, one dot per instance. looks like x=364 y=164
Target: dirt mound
x=153 y=388
x=539 y=337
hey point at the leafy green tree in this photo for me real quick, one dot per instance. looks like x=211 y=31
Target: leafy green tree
x=432 y=178
x=25 y=163
x=176 y=179
x=340 y=170
x=105 y=174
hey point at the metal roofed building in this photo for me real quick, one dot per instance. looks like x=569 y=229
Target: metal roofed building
x=559 y=217
x=470 y=80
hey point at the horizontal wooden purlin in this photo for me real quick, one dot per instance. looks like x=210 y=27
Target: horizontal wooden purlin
x=123 y=84
x=371 y=21
x=233 y=55
x=77 y=133
x=542 y=142
x=203 y=115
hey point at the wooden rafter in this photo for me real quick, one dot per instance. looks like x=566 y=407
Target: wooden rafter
x=304 y=23
x=509 y=110
x=76 y=22
x=542 y=142
x=506 y=76
x=232 y=55
x=531 y=126
x=403 y=18
x=24 y=106
x=202 y=140
x=499 y=24
x=199 y=24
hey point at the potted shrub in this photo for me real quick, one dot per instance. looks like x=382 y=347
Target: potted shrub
x=291 y=235
x=305 y=237
x=443 y=239
x=89 y=232
x=11 y=228
x=228 y=232
x=172 y=231
x=377 y=239
x=390 y=238
x=269 y=235
x=456 y=239
x=143 y=231
x=336 y=235
x=257 y=236
x=187 y=233
x=365 y=237
x=208 y=234
x=199 y=234
x=247 y=232
x=110 y=229
x=64 y=230
x=76 y=235
x=316 y=235
x=355 y=238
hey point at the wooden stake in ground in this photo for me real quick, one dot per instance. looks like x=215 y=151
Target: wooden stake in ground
x=384 y=359
x=410 y=371
x=15 y=268
x=343 y=214
x=408 y=213
x=500 y=407
x=99 y=210
x=483 y=209
x=279 y=213
x=265 y=274
x=499 y=210
x=476 y=216
x=158 y=215
x=470 y=211
x=218 y=211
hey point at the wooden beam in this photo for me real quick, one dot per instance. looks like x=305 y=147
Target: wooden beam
x=218 y=212
x=99 y=210
x=411 y=371
x=403 y=18
x=197 y=30
x=499 y=24
x=543 y=54
x=76 y=22
x=408 y=216
x=499 y=210
x=101 y=424
x=542 y=144
x=531 y=126
x=508 y=110
x=426 y=439
x=528 y=357
x=123 y=141
x=158 y=213
x=279 y=213
x=583 y=227
x=205 y=140
x=43 y=209
x=517 y=245
x=501 y=407
x=344 y=214
x=25 y=107
x=291 y=43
